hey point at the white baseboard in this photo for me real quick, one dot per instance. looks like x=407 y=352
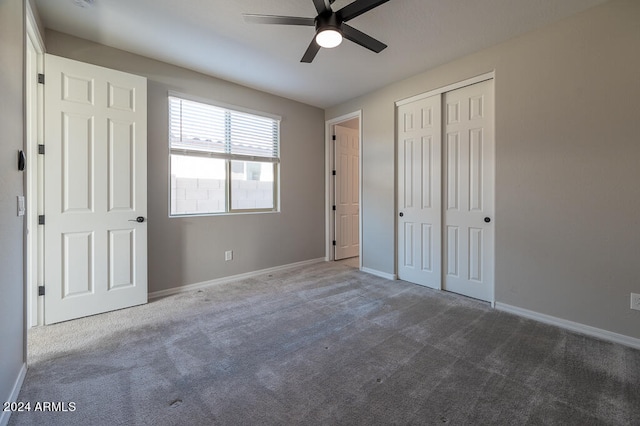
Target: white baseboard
x=5 y=415
x=570 y=325
x=224 y=280
x=379 y=273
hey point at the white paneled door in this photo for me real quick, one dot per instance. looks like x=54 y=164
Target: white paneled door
x=419 y=185
x=468 y=199
x=347 y=193
x=446 y=191
x=95 y=200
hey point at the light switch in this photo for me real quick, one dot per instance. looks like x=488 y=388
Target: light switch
x=21 y=208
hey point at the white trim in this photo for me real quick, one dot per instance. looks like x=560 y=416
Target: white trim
x=232 y=278
x=380 y=274
x=450 y=87
x=32 y=28
x=570 y=325
x=34 y=186
x=328 y=188
x=13 y=397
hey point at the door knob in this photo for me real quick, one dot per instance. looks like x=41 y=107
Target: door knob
x=487 y=219
x=138 y=219
x=401 y=214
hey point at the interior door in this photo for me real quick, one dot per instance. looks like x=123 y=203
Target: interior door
x=347 y=194
x=419 y=188
x=469 y=191
x=95 y=250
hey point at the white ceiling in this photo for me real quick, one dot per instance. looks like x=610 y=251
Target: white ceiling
x=210 y=36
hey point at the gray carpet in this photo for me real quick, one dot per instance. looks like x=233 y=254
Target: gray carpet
x=325 y=344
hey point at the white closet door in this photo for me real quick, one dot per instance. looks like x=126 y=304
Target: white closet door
x=468 y=198
x=419 y=187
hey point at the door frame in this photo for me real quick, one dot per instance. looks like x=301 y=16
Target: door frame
x=34 y=185
x=329 y=188
x=441 y=91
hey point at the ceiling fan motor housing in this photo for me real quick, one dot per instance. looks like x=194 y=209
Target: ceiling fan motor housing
x=328 y=21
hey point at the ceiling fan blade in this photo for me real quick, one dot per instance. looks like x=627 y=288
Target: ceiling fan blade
x=311 y=52
x=322 y=6
x=357 y=8
x=278 y=20
x=362 y=39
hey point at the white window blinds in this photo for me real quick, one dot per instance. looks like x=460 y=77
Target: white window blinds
x=205 y=129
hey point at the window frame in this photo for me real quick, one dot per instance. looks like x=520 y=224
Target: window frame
x=227 y=157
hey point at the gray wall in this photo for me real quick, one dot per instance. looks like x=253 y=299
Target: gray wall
x=191 y=250
x=12 y=337
x=568 y=165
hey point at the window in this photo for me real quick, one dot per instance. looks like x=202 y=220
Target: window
x=222 y=160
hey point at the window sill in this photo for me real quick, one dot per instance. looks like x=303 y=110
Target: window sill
x=241 y=213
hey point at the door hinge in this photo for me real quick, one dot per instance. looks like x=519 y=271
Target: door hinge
x=334 y=242
x=334 y=137
x=334 y=207
x=40 y=78
x=41 y=290
x=41 y=219
x=333 y=172
x=40 y=149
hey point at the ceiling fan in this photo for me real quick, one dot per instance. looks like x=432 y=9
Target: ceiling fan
x=330 y=26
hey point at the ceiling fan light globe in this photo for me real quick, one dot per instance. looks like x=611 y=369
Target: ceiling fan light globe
x=329 y=38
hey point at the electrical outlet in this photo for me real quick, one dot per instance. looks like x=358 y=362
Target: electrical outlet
x=228 y=255
x=635 y=301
